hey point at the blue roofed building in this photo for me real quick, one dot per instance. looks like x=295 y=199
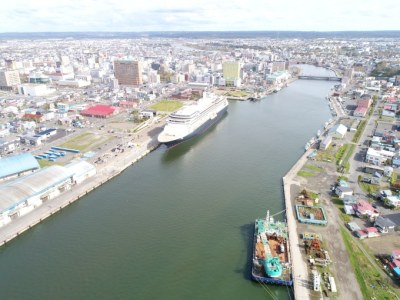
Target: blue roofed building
x=17 y=165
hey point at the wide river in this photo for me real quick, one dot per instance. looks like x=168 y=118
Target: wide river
x=179 y=223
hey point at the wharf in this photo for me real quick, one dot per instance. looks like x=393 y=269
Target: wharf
x=104 y=173
x=299 y=267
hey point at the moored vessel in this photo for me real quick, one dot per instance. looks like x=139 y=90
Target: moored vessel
x=194 y=119
x=271 y=257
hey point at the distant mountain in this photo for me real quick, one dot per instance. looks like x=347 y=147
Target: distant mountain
x=203 y=34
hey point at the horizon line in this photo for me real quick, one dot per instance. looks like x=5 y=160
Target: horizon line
x=150 y=31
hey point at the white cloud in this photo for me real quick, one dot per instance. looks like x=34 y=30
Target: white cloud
x=161 y=15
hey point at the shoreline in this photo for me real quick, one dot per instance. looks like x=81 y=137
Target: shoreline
x=103 y=175
x=299 y=267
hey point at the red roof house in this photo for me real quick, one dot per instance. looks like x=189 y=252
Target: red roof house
x=396 y=254
x=364 y=209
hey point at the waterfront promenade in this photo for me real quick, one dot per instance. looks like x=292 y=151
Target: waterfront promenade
x=105 y=172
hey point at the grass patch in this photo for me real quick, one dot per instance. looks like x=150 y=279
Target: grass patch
x=369 y=188
x=167 y=105
x=340 y=206
x=387 y=119
x=372 y=285
x=349 y=153
x=327 y=155
x=340 y=153
x=313 y=167
x=304 y=173
x=239 y=94
x=85 y=141
x=343 y=155
x=359 y=131
x=309 y=171
x=43 y=163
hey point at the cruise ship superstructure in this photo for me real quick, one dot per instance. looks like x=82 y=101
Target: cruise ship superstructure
x=194 y=119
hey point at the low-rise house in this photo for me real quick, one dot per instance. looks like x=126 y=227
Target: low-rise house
x=364 y=209
x=396 y=254
x=348 y=210
x=342 y=191
x=384 y=225
x=325 y=143
x=339 y=131
x=396 y=161
x=388 y=113
x=392 y=201
x=360 y=112
x=372 y=232
x=373 y=169
x=8 y=146
x=353 y=226
x=349 y=200
x=361 y=234
x=368 y=232
x=378 y=157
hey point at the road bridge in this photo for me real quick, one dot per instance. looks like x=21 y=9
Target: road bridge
x=327 y=78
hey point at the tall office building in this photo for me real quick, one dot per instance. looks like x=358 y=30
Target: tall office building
x=231 y=70
x=9 y=79
x=128 y=72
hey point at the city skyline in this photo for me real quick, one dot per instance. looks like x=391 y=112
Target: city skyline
x=90 y=15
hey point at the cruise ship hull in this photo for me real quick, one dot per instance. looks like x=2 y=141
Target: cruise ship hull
x=200 y=130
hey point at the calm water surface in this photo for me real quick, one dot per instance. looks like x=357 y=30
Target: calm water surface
x=178 y=224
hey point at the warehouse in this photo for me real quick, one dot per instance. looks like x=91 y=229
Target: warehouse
x=17 y=165
x=81 y=171
x=25 y=194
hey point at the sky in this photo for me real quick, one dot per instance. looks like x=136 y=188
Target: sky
x=198 y=15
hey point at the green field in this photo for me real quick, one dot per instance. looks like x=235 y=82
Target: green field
x=239 y=94
x=167 y=105
x=85 y=141
x=43 y=163
x=372 y=285
x=309 y=171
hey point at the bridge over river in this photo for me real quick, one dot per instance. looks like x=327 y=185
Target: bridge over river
x=327 y=78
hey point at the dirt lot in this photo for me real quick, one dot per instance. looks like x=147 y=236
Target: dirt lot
x=346 y=282
x=383 y=244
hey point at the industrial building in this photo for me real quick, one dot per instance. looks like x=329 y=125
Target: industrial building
x=25 y=194
x=99 y=111
x=17 y=165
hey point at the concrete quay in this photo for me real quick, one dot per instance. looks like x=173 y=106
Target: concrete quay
x=104 y=173
x=299 y=267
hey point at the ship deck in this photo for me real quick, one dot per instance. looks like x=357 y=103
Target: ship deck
x=275 y=234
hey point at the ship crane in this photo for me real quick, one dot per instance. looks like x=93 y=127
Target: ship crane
x=268 y=216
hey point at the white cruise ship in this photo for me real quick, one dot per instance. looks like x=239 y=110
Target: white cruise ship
x=192 y=120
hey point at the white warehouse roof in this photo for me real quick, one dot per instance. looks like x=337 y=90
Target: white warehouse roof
x=17 y=191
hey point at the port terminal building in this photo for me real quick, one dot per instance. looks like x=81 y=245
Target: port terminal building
x=22 y=195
